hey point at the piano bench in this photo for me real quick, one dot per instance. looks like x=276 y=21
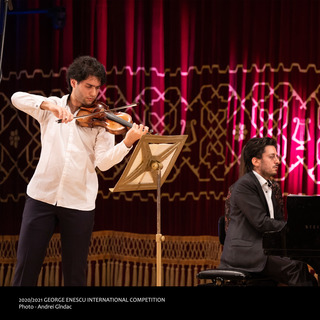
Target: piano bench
x=223 y=277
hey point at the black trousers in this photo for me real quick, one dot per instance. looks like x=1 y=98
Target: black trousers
x=39 y=221
x=287 y=271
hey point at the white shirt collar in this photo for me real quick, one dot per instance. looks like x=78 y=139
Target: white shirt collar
x=267 y=190
x=260 y=178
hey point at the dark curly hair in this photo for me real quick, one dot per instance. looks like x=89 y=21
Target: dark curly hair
x=254 y=148
x=83 y=67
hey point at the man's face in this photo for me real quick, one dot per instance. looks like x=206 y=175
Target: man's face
x=268 y=165
x=85 y=92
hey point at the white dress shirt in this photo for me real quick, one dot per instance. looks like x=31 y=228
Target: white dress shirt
x=267 y=192
x=65 y=175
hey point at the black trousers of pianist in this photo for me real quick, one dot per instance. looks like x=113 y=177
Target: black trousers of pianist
x=290 y=272
x=39 y=222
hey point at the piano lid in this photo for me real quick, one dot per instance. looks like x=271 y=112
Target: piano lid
x=303 y=225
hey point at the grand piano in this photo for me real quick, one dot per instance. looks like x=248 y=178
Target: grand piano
x=300 y=238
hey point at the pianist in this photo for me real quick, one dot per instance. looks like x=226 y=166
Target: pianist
x=253 y=211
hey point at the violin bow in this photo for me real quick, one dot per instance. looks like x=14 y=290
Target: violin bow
x=124 y=107
x=96 y=113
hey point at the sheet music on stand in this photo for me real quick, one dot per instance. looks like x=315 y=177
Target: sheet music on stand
x=147 y=169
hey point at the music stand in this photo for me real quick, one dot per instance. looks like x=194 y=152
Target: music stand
x=147 y=169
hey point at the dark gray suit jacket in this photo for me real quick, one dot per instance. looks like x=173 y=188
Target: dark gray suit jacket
x=249 y=219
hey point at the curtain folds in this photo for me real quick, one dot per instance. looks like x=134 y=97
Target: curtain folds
x=221 y=71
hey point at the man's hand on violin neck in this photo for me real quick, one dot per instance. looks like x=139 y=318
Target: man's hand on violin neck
x=59 y=112
x=134 y=134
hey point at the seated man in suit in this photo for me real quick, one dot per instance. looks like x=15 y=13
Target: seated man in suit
x=254 y=210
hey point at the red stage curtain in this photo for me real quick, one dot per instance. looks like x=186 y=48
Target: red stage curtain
x=221 y=71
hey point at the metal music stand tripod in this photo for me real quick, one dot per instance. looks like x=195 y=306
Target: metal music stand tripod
x=147 y=169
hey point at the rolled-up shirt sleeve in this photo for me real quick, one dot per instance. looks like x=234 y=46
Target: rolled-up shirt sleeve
x=30 y=104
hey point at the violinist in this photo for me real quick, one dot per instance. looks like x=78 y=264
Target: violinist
x=64 y=186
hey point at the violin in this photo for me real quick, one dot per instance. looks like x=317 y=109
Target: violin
x=99 y=114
